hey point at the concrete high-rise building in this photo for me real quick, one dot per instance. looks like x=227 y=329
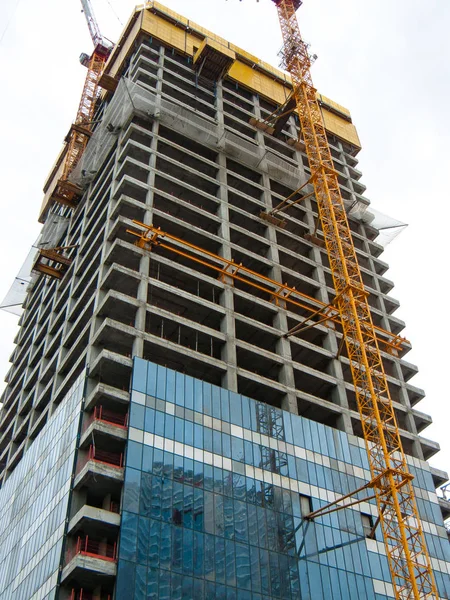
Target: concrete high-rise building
x=160 y=436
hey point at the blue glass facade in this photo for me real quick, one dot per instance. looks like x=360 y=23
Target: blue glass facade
x=215 y=488
x=34 y=504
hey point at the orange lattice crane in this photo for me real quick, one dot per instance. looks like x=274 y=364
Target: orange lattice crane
x=66 y=192
x=406 y=550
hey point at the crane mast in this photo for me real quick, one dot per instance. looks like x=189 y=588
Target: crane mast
x=65 y=192
x=409 y=562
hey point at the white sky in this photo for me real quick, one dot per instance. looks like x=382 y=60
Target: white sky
x=387 y=61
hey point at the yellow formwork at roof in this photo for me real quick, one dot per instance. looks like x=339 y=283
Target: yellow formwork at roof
x=185 y=35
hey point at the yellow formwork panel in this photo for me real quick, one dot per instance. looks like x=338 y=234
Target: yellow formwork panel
x=244 y=54
x=274 y=71
x=340 y=127
x=204 y=32
x=259 y=82
x=171 y=13
x=334 y=104
x=167 y=32
x=125 y=46
x=216 y=46
x=265 y=80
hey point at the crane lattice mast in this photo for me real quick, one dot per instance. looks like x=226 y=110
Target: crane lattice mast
x=66 y=192
x=408 y=558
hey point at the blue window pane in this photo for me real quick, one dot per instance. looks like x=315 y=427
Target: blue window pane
x=157 y=461
x=187 y=588
x=209 y=558
x=166 y=500
x=179 y=389
x=248 y=452
x=155 y=508
x=154 y=543
x=216 y=409
x=151 y=379
x=132 y=490
x=134 y=455
x=230 y=562
x=198 y=589
x=198 y=395
x=208 y=480
x=128 y=536
x=217 y=442
x=235 y=409
x=165 y=549
x=231 y=594
x=146 y=494
x=218 y=480
x=164 y=586
x=188 y=510
x=237 y=449
x=198 y=509
x=152 y=584
x=149 y=420
x=139 y=375
x=170 y=427
x=189 y=433
x=137 y=415
x=198 y=436
x=243 y=567
x=179 y=430
x=140 y=583
x=177 y=549
x=189 y=392
x=255 y=569
x=188 y=555
x=225 y=404
x=159 y=423
x=189 y=470
x=220 y=560
x=161 y=383
x=125 y=578
x=246 y=412
x=170 y=385
x=226 y=445
x=207 y=398
x=199 y=554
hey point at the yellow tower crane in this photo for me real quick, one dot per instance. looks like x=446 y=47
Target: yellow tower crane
x=65 y=192
x=406 y=550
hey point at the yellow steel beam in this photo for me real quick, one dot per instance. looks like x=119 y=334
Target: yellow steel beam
x=152 y=236
x=408 y=558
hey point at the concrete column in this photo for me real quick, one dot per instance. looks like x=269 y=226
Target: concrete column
x=227 y=299
x=283 y=347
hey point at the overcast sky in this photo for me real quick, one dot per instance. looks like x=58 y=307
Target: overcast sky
x=387 y=61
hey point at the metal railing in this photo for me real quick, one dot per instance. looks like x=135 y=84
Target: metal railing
x=105 y=416
x=86 y=595
x=112 y=459
x=87 y=547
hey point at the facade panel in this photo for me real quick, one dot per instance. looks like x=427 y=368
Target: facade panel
x=217 y=486
x=34 y=504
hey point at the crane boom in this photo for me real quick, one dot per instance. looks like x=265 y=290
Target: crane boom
x=94 y=29
x=409 y=562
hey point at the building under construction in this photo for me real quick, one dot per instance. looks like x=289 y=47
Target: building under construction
x=209 y=395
